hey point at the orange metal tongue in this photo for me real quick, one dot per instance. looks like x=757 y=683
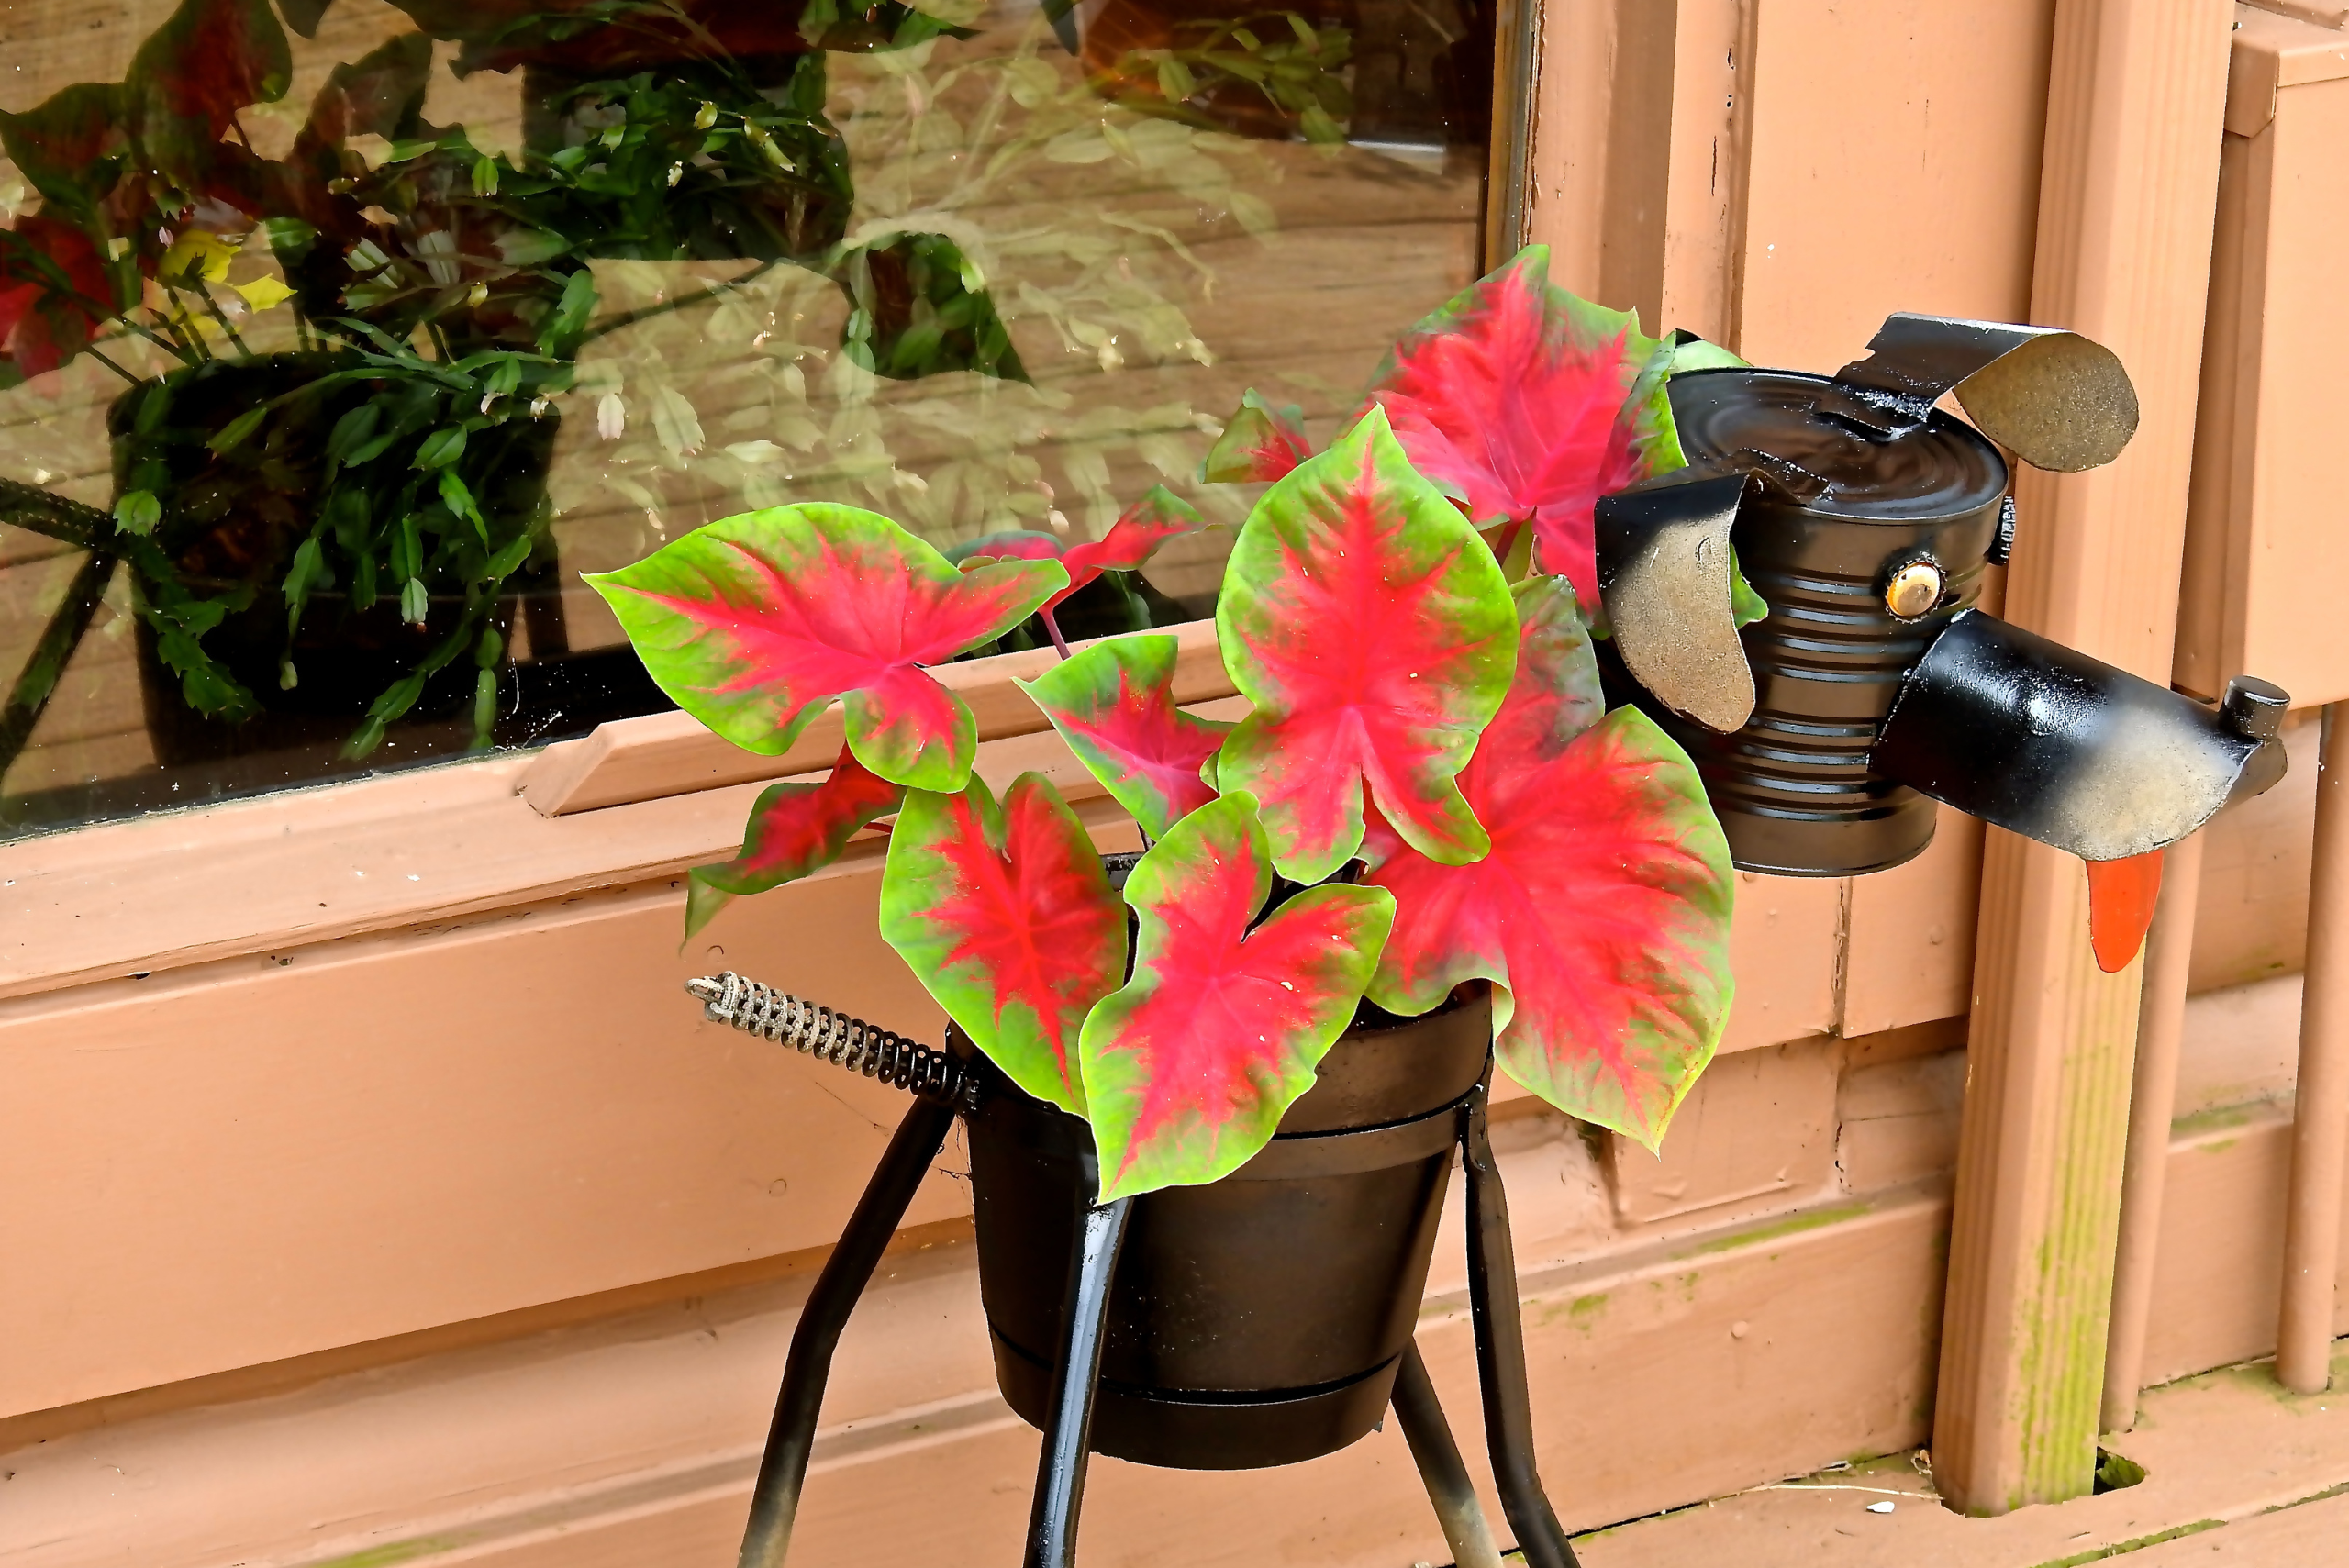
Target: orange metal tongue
x=2120 y=906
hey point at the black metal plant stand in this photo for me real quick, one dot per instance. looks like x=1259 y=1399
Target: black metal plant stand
x=945 y=1086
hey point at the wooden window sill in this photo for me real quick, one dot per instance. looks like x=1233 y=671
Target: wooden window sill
x=638 y=799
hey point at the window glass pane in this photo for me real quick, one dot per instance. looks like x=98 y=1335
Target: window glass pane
x=340 y=336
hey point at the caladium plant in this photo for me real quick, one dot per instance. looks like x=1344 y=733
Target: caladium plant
x=1428 y=793
x=1259 y=442
x=1601 y=912
x=1522 y=403
x=1190 y=1064
x=1114 y=704
x=755 y=624
x=1529 y=404
x=795 y=829
x=1132 y=540
x=1006 y=913
x=1355 y=538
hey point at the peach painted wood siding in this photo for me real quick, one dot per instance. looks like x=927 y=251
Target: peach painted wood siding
x=381 y=1185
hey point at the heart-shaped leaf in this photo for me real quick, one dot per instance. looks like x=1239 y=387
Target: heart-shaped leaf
x=1132 y=540
x=190 y=78
x=795 y=829
x=1190 y=1065
x=1603 y=910
x=54 y=290
x=1528 y=405
x=756 y=623
x=1006 y=917
x=1372 y=632
x=1114 y=704
x=58 y=148
x=1260 y=442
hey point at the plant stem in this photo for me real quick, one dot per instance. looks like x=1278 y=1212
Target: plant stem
x=169 y=345
x=187 y=334
x=221 y=316
x=92 y=349
x=629 y=317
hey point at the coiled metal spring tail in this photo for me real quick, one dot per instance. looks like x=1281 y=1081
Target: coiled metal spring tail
x=837 y=1038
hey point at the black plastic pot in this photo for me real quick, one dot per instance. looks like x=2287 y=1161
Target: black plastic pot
x=346 y=657
x=1258 y=1320
x=231 y=523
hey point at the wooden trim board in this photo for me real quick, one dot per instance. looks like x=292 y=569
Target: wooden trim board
x=161 y=893
x=256 y=1155
x=2135 y=108
x=630 y=1442
x=664 y=755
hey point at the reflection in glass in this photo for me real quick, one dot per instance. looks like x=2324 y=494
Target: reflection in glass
x=338 y=338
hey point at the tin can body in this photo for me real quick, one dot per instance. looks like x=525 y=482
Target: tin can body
x=1793 y=788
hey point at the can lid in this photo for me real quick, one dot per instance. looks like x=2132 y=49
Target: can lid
x=1943 y=468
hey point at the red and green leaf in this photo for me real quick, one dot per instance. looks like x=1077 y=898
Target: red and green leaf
x=1529 y=404
x=1260 y=442
x=1372 y=632
x=794 y=830
x=1191 y=1065
x=1603 y=910
x=61 y=145
x=1012 y=544
x=1132 y=540
x=54 y=293
x=754 y=624
x=190 y=79
x=1114 y=704
x=1006 y=917
x=380 y=94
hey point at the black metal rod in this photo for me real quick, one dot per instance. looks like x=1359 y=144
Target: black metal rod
x=1436 y=1453
x=1060 y=1470
x=774 y=1502
x=37 y=682
x=1500 y=1351
x=44 y=512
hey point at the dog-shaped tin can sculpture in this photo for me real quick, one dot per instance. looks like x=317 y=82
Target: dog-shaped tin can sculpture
x=1866 y=518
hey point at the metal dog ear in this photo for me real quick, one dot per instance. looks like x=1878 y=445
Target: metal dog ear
x=2056 y=399
x=1663 y=565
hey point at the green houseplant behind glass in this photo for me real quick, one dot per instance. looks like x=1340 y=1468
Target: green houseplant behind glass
x=336 y=362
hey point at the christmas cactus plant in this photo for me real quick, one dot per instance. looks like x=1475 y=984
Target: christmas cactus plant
x=1427 y=791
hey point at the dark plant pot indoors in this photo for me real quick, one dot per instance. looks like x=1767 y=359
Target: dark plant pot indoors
x=233 y=523
x=346 y=658
x=1257 y=1320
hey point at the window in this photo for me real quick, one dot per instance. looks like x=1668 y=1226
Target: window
x=341 y=336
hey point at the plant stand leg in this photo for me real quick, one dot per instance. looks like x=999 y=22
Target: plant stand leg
x=1060 y=1471
x=1438 y=1457
x=774 y=1502
x=1500 y=1351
